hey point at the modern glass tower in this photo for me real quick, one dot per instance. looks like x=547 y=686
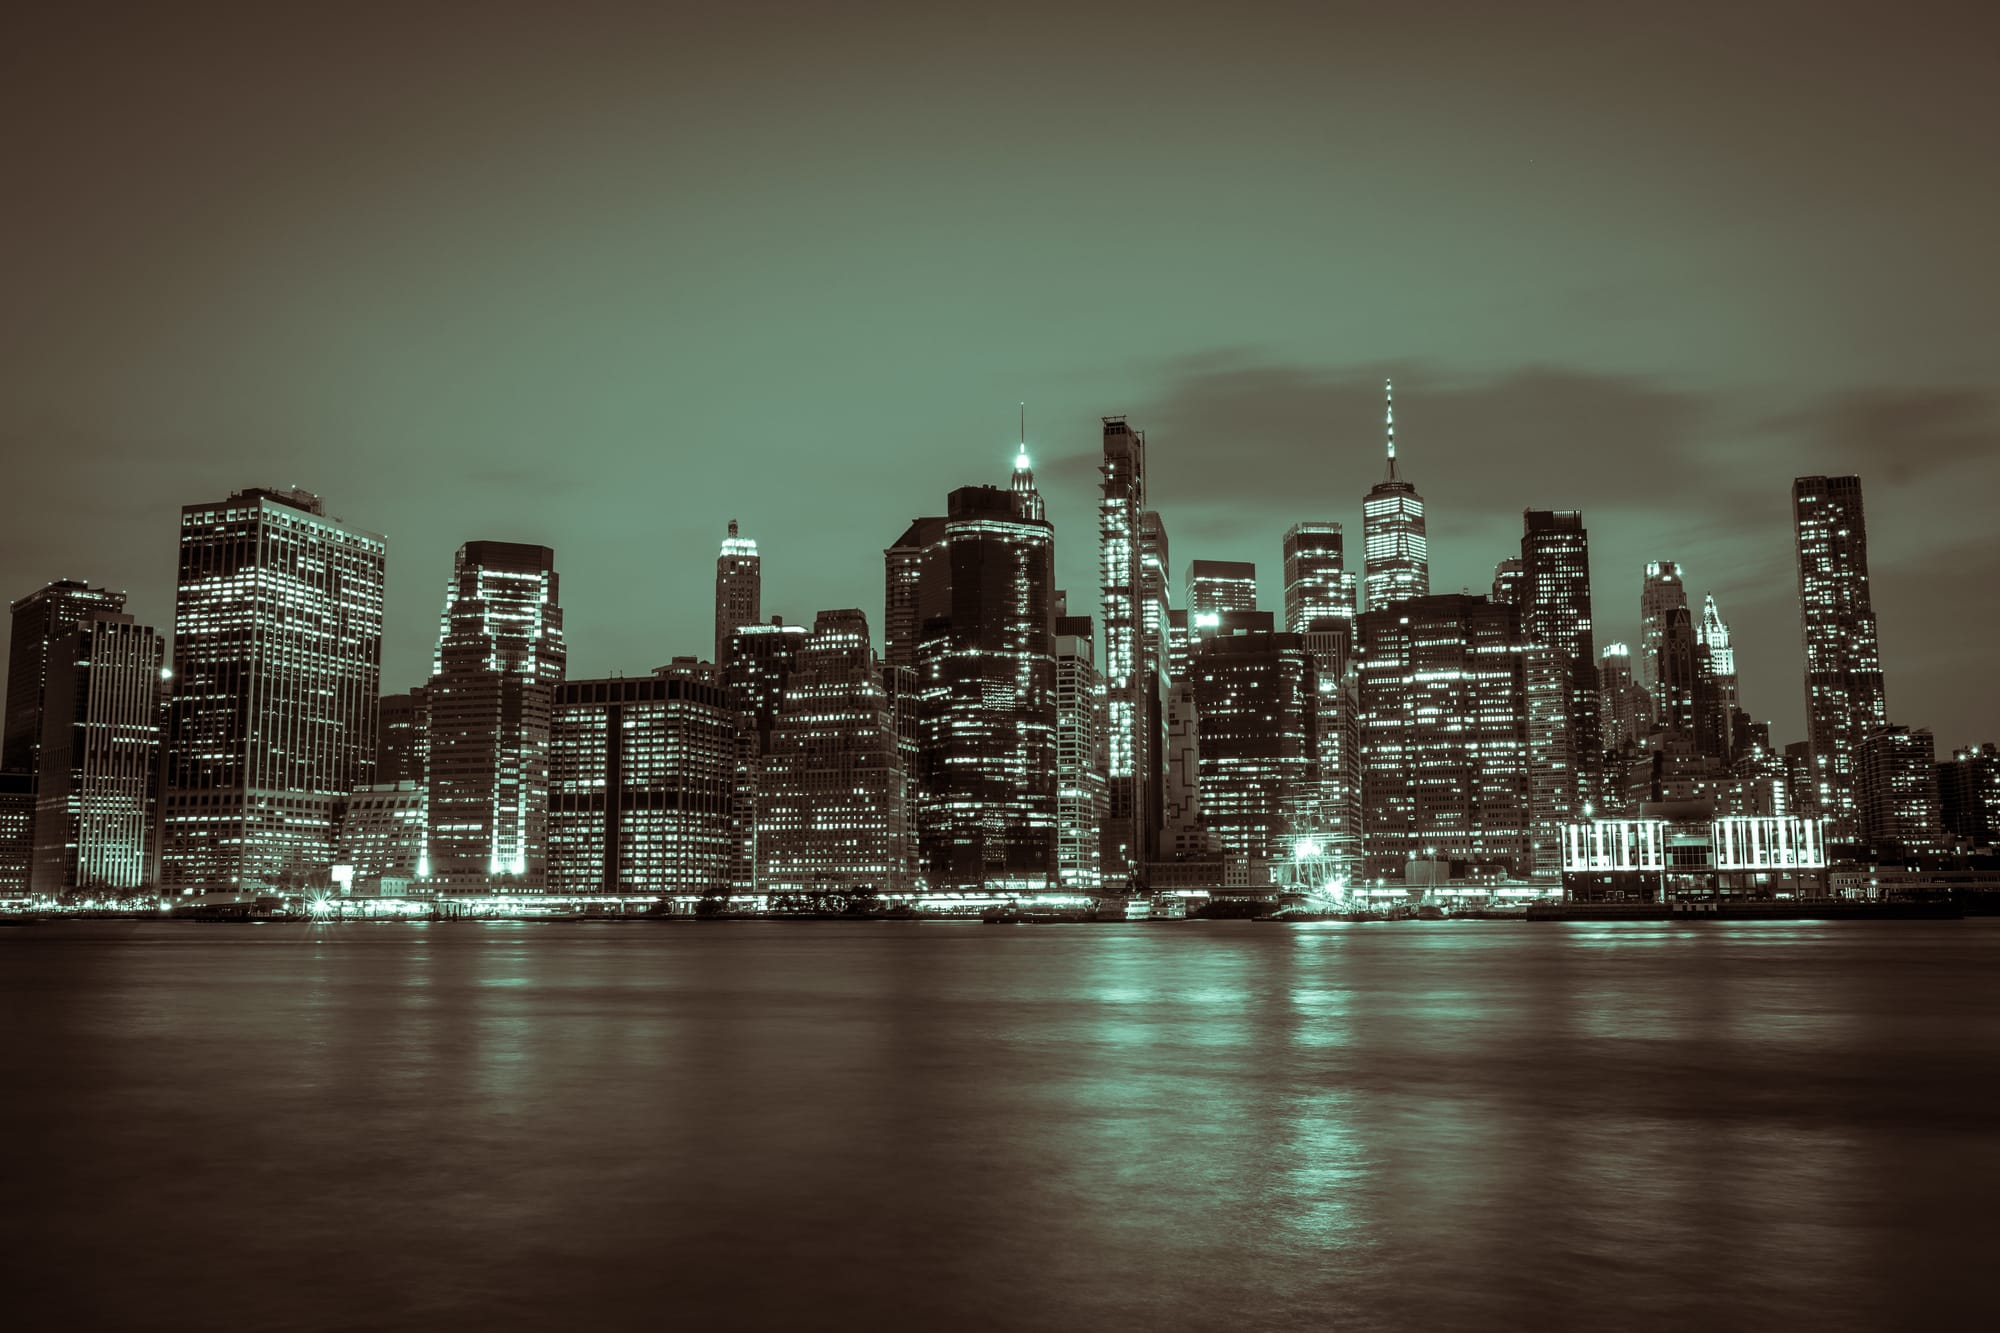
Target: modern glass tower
x=1317 y=580
x=739 y=583
x=1256 y=692
x=277 y=682
x=1132 y=662
x=1844 y=700
x=500 y=660
x=98 y=789
x=1215 y=588
x=1565 y=747
x=1080 y=784
x=48 y=614
x=1395 y=553
x=756 y=666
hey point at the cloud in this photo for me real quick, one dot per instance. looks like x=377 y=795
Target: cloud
x=1900 y=434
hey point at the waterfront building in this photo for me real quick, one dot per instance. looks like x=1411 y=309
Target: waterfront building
x=97 y=791
x=1661 y=594
x=1336 y=822
x=834 y=816
x=1681 y=850
x=381 y=835
x=642 y=776
x=1554 y=750
x=1256 y=693
x=1969 y=795
x=1444 y=735
x=1215 y=588
x=17 y=833
x=1081 y=798
x=739 y=582
x=1318 y=583
x=756 y=667
x=986 y=678
x=401 y=737
x=1896 y=793
x=277 y=677
x=48 y=614
x=1844 y=698
x=1395 y=552
x=499 y=664
x=1132 y=666
x=1564 y=748
x=1183 y=836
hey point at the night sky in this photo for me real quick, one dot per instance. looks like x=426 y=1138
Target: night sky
x=605 y=278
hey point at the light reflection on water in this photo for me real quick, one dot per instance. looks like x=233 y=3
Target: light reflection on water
x=919 y=1126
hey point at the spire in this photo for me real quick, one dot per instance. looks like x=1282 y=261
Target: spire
x=1021 y=459
x=1024 y=475
x=1389 y=401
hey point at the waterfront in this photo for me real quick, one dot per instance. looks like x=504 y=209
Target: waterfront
x=900 y=1125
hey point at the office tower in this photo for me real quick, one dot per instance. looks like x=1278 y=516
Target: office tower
x=1554 y=797
x=1317 y=580
x=756 y=664
x=1844 y=701
x=276 y=686
x=97 y=792
x=1661 y=594
x=1080 y=782
x=499 y=664
x=1023 y=480
x=1627 y=706
x=1555 y=617
x=400 y=742
x=1337 y=817
x=835 y=812
x=1131 y=669
x=1713 y=635
x=1799 y=778
x=1156 y=598
x=1510 y=581
x=1686 y=690
x=1180 y=644
x=381 y=835
x=641 y=775
x=1969 y=794
x=986 y=675
x=17 y=833
x=903 y=565
x=45 y=615
x=1256 y=693
x=1896 y=793
x=739 y=581
x=1215 y=587
x=1444 y=734
x=1183 y=835
x=1395 y=554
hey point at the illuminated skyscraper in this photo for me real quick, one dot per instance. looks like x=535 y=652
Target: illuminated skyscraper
x=739 y=583
x=1080 y=782
x=903 y=567
x=1564 y=751
x=1256 y=693
x=1132 y=669
x=1317 y=580
x=1896 y=793
x=1713 y=636
x=1023 y=480
x=1627 y=707
x=1156 y=597
x=1180 y=644
x=40 y=619
x=1969 y=795
x=835 y=813
x=277 y=682
x=17 y=832
x=1395 y=552
x=1215 y=587
x=756 y=666
x=1660 y=595
x=641 y=783
x=1844 y=700
x=499 y=664
x=98 y=790
x=986 y=676
x=1337 y=819
x=1444 y=734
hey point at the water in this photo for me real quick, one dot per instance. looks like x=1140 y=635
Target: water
x=918 y=1126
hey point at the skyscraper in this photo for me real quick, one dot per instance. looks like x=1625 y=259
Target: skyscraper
x=1131 y=668
x=1969 y=794
x=1844 y=700
x=1216 y=587
x=1317 y=580
x=1256 y=693
x=1661 y=594
x=1337 y=820
x=1556 y=619
x=401 y=743
x=277 y=682
x=738 y=588
x=499 y=662
x=1627 y=707
x=1510 y=581
x=45 y=615
x=1713 y=635
x=97 y=793
x=1896 y=793
x=1395 y=552
x=986 y=675
x=641 y=779
x=756 y=666
x=835 y=812
x=1444 y=734
x=1080 y=782
x=902 y=570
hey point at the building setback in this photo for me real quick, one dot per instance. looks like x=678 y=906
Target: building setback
x=1444 y=734
x=642 y=779
x=834 y=815
x=97 y=794
x=499 y=664
x=739 y=581
x=1844 y=699
x=276 y=686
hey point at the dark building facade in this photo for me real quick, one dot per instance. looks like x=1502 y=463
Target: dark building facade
x=1896 y=793
x=1844 y=698
x=401 y=737
x=1256 y=693
x=1969 y=795
x=756 y=666
x=40 y=619
x=1132 y=657
x=739 y=584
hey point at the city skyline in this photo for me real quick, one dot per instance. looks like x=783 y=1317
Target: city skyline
x=517 y=323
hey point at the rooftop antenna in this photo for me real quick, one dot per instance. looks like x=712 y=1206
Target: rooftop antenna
x=1389 y=401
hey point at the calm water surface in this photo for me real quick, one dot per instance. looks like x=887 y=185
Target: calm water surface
x=915 y=1126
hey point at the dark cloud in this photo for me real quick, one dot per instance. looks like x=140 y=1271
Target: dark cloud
x=1901 y=435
